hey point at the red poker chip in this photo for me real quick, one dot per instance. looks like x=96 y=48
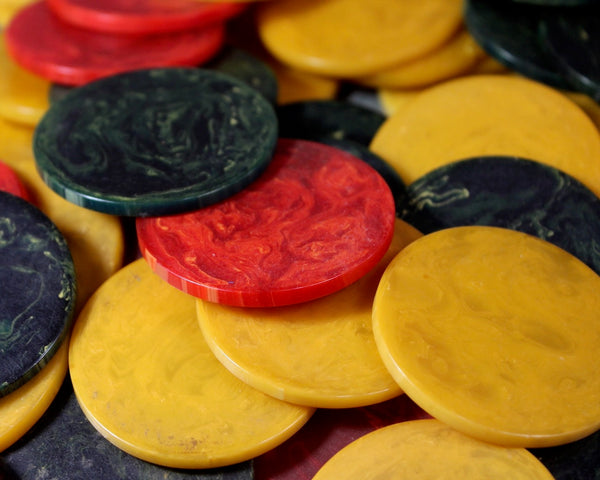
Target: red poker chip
x=317 y=220
x=43 y=44
x=143 y=16
x=11 y=183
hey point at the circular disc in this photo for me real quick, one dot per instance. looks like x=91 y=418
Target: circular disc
x=452 y=59
x=11 y=183
x=494 y=332
x=155 y=142
x=21 y=409
x=509 y=33
x=339 y=367
x=38 y=291
x=23 y=95
x=350 y=37
x=142 y=16
x=146 y=379
x=63 y=444
x=75 y=56
x=429 y=450
x=490 y=115
x=317 y=220
x=512 y=193
x=573 y=40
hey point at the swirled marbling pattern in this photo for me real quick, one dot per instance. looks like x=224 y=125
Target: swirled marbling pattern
x=155 y=141
x=513 y=193
x=38 y=291
x=316 y=221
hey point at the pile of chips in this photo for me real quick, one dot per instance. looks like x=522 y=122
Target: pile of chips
x=204 y=278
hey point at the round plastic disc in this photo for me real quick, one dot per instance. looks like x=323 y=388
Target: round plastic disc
x=452 y=59
x=339 y=367
x=146 y=379
x=64 y=444
x=429 y=450
x=350 y=37
x=512 y=193
x=11 y=183
x=155 y=142
x=490 y=115
x=38 y=291
x=96 y=240
x=21 y=409
x=317 y=220
x=508 y=31
x=494 y=332
x=75 y=56
x=142 y=16
x=573 y=40
x=23 y=95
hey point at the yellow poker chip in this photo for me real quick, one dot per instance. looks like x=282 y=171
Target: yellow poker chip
x=490 y=115
x=452 y=59
x=320 y=353
x=23 y=96
x=96 y=240
x=21 y=409
x=588 y=105
x=495 y=333
x=146 y=380
x=429 y=450
x=350 y=38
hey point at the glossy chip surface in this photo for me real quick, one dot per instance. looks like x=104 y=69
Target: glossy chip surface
x=493 y=332
x=143 y=16
x=147 y=381
x=155 y=142
x=317 y=220
x=39 y=290
x=75 y=56
x=429 y=450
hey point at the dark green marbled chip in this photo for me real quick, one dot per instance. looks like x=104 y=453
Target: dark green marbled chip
x=573 y=41
x=64 y=445
x=509 y=192
x=508 y=32
x=155 y=142
x=37 y=282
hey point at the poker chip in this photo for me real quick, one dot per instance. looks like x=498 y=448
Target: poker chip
x=75 y=56
x=348 y=38
x=64 y=432
x=38 y=282
x=173 y=403
x=573 y=42
x=508 y=192
x=317 y=220
x=155 y=142
x=143 y=16
x=492 y=331
x=406 y=450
